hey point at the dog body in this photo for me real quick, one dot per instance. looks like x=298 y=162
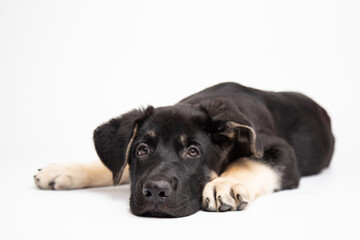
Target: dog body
x=217 y=150
x=288 y=116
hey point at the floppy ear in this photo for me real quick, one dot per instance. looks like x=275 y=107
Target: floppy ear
x=114 y=138
x=228 y=123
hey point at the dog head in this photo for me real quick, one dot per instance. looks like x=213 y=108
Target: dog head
x=173 y=152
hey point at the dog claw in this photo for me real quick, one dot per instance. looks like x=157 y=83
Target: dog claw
x=241 y=206
x=52 y=185
x=206 y=205
x=224 y=207
x=239 y=198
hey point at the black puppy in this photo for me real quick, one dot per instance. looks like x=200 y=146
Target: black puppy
x=217 y=150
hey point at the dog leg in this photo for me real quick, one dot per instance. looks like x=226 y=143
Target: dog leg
x=64 y=176
x=242 y=182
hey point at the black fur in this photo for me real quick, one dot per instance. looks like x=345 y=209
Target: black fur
x=287 y=130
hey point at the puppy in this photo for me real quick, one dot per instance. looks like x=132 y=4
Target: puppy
x=216 y=150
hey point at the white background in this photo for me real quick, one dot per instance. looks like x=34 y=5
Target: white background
x=67 y=66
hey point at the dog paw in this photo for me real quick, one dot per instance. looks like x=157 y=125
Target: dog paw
x=61 y=176
x=224 y=194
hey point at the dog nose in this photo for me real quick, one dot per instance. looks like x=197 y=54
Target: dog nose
x=157 y=191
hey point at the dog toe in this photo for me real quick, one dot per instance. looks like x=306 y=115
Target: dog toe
x=61 y=177
x=208 y=203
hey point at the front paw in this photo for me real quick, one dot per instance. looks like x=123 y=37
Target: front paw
x=61 y=176
x=224 y=194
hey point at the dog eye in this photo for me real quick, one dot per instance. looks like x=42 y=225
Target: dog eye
x=193 y=152
x=142 y=150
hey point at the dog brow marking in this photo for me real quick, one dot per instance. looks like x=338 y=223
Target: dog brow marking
x=151 y=133
x=183 y=139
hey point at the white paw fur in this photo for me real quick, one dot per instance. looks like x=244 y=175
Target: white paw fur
x=62 y=176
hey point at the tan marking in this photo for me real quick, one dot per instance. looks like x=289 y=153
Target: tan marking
x=183 y=139
x=246 y=178
x=151 y=133
x=213 y=175
x=77 y=175
x=117 y=177
x=229 y=131
x=253 y=137
x=259 y=178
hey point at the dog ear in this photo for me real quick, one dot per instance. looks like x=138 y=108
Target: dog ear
x=114 y=138
x=229 y=124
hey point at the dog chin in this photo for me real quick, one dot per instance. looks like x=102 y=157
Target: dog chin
x=158 y=214
x=162 y=212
